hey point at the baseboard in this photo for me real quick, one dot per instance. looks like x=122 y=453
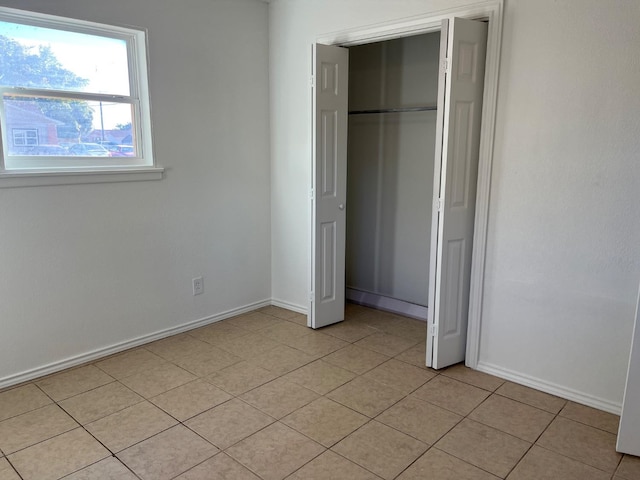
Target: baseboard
x=119 y=347
x=389 y=304
x=552 y=388
x=289 y=306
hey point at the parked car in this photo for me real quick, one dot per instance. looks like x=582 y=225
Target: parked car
x=122 y=151
x=88 y=150
x=50 y=150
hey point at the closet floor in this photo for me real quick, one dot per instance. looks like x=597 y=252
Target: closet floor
x=261 y=396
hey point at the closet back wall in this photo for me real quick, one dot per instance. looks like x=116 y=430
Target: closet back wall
x=390 y=167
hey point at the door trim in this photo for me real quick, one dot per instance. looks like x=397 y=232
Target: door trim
x=491 y=11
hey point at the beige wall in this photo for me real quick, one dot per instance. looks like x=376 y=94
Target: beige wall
x=89 y=266
x=563 y=257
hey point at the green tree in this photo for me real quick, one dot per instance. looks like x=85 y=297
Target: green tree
x=39 y=68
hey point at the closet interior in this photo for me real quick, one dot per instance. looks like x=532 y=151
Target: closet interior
x=393 y=89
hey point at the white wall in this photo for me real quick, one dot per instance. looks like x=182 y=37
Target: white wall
x=88 y=266
x=563 y=257
x=390 y=167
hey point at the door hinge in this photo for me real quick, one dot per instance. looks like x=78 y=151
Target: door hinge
x=433 y=330
x=444 y=65
x=313 y=81
x=439 y=204
x=312 y=194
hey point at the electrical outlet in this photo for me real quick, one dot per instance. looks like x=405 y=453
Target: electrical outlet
x=198 y=286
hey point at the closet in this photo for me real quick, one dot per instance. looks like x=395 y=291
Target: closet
x=412 y=175
x=393 y=88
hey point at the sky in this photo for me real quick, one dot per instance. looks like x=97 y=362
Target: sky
x=103 y=61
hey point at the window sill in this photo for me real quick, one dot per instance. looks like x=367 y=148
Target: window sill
x=26 y=178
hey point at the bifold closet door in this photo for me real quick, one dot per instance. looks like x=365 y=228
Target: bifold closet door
x=629 y=430
x=460 y=89
x=330 y=82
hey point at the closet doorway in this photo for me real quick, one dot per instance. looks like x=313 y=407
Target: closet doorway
x=460 y=64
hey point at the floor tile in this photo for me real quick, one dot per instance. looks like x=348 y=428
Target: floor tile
x=21 y=400
x=419 y=419
x=299 y=319
x=330 y=466
x=473 y=377
x=158 y=380
x=167 y=454
x=629 y=468
x=129 y=426
x=279 y=397
x=349 y=331
x=532 y=397
x=72 y=382
x=240 y=378
x=229 y=423
x=487 y=448
x=399 y=375
x=58 y=456
x=316 y=344
x=275 y=452
x=582 y=443
x=386 y=344
x=6 y=470
x=325 y=421
x=100 y=402
x=108 y=469
x=415 y=330
x=319 y=376
x=206 y=362
x=353 y=310
x=542 y=464
x=438 y=465
x=190 y=399
x=278 y=312
x=416 y=355
x=33 y=427
x=129 y=363
x=512 y=417
x=366 y=396
x=220 y=467
x=176 y=346
x=356 y=359
x=451 y=394
x=285 y=332
x=249 y=345
x=590 y=416
x=253 y=321
x=217 y=333
x=282 y=359
x=380 y=449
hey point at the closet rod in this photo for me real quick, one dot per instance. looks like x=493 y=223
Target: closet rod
x=393 y=110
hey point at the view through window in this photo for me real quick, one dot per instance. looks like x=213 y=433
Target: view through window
x=69 y=96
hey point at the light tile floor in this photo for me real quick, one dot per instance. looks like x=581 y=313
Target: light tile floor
x=260 y=396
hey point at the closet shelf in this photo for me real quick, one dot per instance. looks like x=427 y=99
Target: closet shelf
x=393 y=110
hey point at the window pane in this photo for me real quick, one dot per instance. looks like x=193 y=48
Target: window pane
x=63 y=127
x=44 y=58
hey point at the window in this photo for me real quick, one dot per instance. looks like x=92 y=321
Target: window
x=73 y=100
x=25 y=137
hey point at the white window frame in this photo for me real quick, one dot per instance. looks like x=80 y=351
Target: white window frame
x=31 y=171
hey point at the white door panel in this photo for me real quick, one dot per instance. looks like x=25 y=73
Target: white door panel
x=629 y=430
x=459 y=109
x=329 y=185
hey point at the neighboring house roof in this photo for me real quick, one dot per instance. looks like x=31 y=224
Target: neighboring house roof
x=27 y=115
x=117 y=136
